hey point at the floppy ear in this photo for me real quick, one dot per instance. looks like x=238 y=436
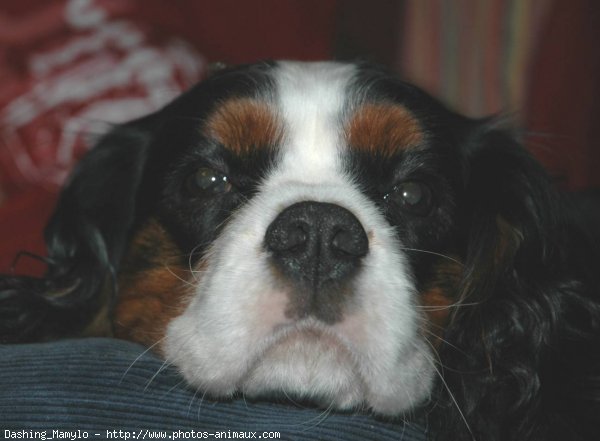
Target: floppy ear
x=85 y=238
x=511 y=207
x=491 y=363
x=527 y=340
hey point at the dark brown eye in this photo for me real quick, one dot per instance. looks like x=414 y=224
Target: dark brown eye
x=207 y=181
x=412 y=196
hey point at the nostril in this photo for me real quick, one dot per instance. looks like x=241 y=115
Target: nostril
x=355 y=244
x=297 y=235
x=286 y=237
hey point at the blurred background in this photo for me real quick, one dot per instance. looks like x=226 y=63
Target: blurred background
x=71 y=68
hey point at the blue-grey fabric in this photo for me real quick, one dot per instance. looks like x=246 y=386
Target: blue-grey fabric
x=107 y=384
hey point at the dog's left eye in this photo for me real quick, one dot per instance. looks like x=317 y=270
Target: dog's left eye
x=208 y=181
x=412 y=196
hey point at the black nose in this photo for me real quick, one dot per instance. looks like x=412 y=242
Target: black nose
x=316 y=243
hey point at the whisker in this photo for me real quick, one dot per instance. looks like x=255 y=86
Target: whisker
x=442 y=308
x=168 y=268
x=192 y=401
x=200 y=404
x=318 y=419
x=441 y=377
x=162 y=367
x=434 y=253
x=172 y=388
x=199 y=271
x=294 y=402
x=244 y=399
x=190 y=260
x=138 y=357
x=436 y=352
x=404 y=424
x=168 y=363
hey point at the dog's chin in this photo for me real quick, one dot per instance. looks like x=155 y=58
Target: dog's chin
x=307 y=365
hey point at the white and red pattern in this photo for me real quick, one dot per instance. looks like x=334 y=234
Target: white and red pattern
x=87 y=66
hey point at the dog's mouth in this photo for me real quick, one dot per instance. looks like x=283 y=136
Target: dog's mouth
x=253 y=337
x=308 y=363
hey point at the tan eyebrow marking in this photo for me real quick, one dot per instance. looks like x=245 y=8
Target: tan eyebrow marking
x=383 y=129
x=243 y=125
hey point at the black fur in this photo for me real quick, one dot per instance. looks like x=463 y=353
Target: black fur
x=524 y=362
x=520 y=360
x=86 y=239
x=113 y=190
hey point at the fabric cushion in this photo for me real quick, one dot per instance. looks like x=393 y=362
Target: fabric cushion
x=109 y=384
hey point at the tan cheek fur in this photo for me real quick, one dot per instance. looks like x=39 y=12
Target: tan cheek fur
x=154 y=286
x=438 y=297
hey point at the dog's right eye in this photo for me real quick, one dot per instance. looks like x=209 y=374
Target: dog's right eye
x=412 y=196
x=207 y=181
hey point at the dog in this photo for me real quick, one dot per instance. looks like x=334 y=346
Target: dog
x=328 y=232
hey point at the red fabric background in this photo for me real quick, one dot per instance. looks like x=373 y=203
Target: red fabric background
x=226 y=30
x=563 y=114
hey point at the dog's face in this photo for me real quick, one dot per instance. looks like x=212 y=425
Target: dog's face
x=315 y=205
x=326 y=232
x=294 y=229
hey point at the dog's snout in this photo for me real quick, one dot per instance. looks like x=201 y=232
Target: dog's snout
x=316 y=243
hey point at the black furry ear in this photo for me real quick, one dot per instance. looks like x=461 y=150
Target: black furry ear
x=509 y=216
x=511 y=208
x=529 y=330
x=85 y=237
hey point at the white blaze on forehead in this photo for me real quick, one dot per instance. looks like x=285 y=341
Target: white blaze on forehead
x=311 y=98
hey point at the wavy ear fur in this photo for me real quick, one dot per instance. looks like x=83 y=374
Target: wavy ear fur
x=90 y=228
x=85 y=238
x=524 y=362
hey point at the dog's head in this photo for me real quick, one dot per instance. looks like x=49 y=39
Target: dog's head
x=303 y=229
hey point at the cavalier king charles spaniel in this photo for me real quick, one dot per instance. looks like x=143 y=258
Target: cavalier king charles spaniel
x=327 y=232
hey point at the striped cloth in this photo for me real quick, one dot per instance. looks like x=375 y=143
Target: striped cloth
x=106 y=385
x=474 y=54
